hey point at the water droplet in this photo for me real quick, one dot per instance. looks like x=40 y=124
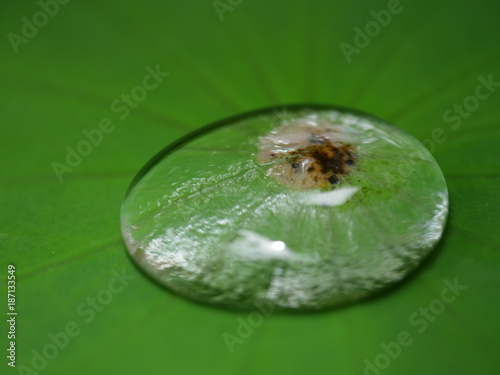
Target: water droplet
x=305 y=208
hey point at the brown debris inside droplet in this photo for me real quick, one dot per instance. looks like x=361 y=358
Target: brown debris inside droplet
x=312 y=161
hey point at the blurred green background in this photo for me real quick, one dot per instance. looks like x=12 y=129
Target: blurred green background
x=66 y=75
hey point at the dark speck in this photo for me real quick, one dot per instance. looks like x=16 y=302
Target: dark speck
x=333 y=180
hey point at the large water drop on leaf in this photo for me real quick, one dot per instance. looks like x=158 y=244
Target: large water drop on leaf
x=305 y=208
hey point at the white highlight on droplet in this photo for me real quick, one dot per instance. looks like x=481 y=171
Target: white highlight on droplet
x=336 y=197
x=278 y=245
x=255 y=246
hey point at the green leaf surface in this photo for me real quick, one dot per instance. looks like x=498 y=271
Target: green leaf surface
x=64 y=237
